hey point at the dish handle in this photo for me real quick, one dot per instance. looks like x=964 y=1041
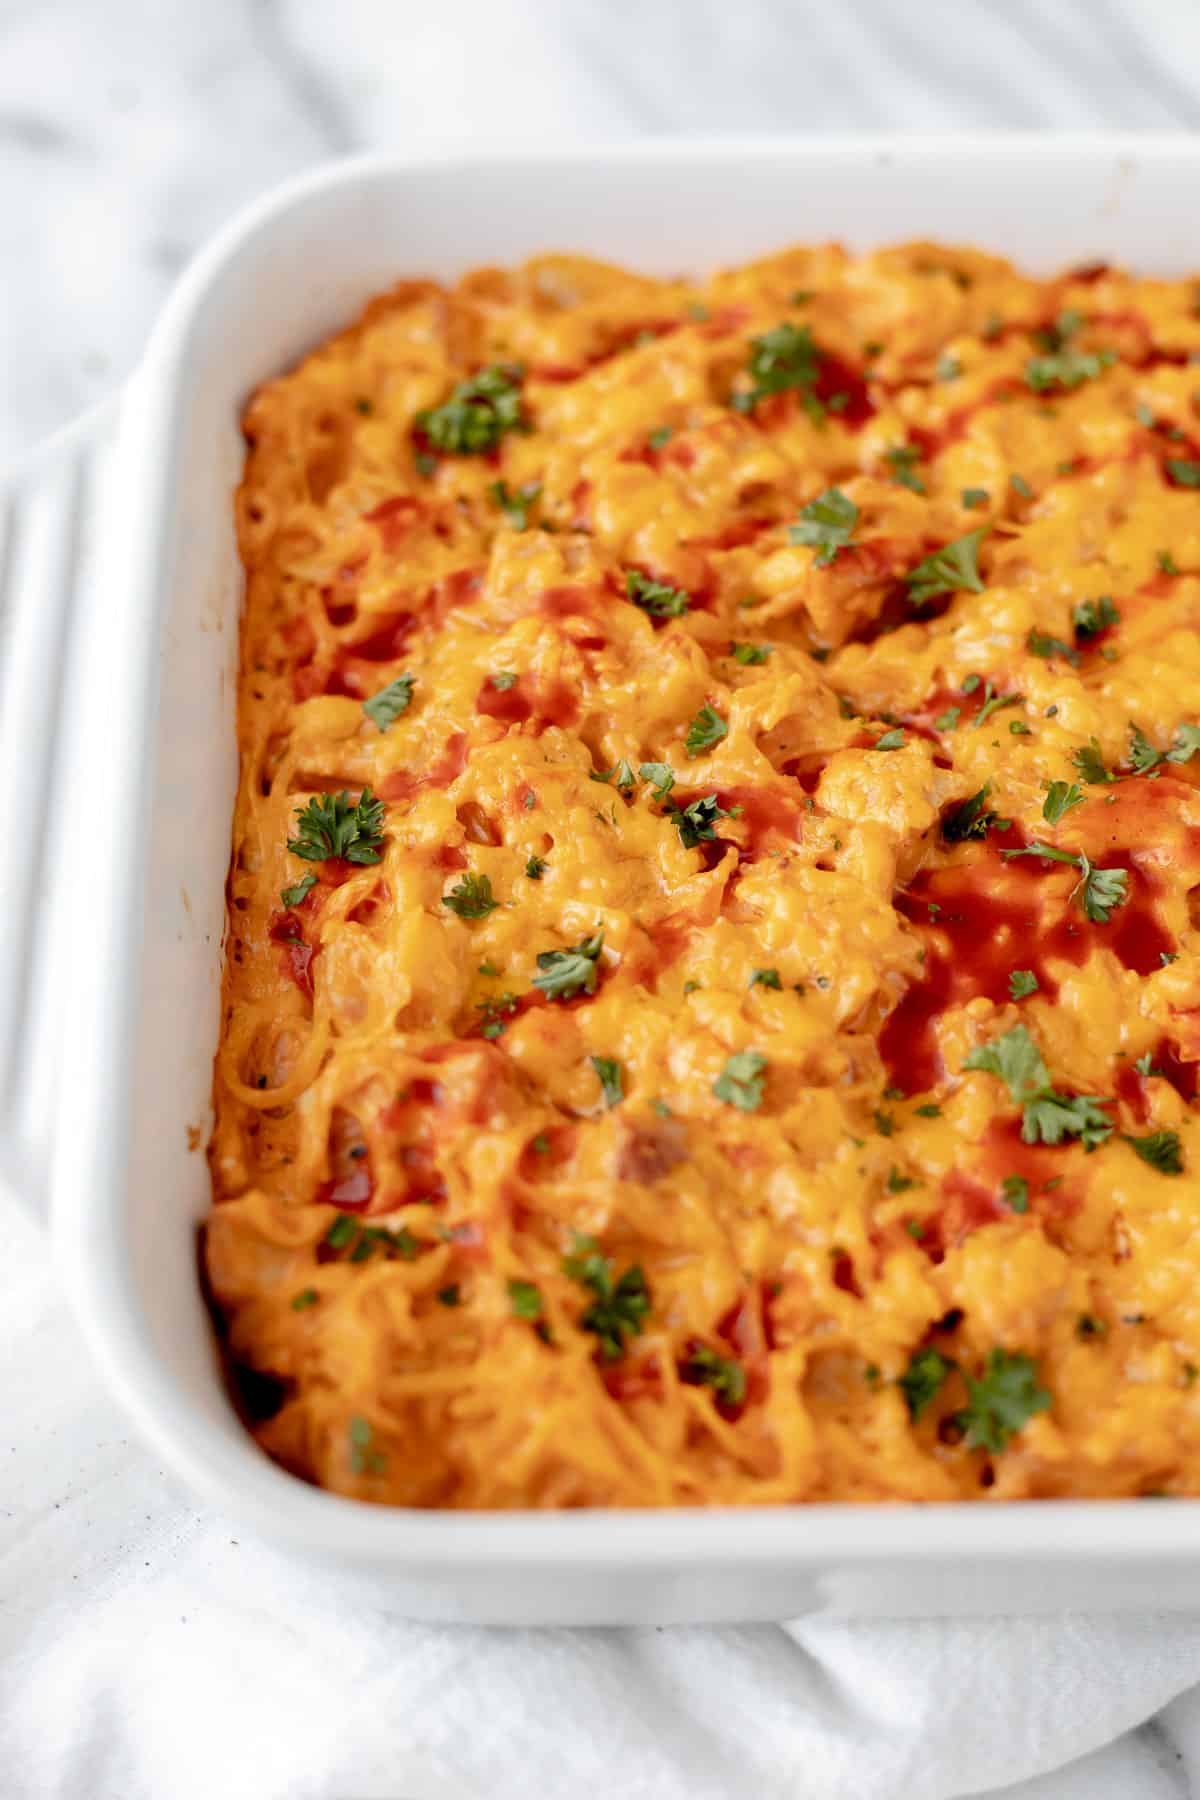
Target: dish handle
x=51 y=504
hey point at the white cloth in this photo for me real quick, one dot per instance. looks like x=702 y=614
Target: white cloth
x=149 y=1652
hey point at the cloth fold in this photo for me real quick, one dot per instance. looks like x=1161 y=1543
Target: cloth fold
x=151 y=1653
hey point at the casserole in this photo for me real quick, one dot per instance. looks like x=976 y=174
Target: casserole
x=157 y=658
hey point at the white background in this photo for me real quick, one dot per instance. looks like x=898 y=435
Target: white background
x=129 y=129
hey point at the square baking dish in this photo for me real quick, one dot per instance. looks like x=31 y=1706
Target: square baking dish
x=110 y=977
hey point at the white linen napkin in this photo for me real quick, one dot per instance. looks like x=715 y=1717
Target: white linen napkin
x=148 y=1652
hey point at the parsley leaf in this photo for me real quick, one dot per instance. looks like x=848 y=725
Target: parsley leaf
x=364 y=1459
x=1022 y=983
x=503 y=680
x=707 y=1368
x=621 y=774
x=740 y=1082
x=1161 y=1150
x=568 y=972
x=1016 y=1059
x=472 y=898
x=1142 y=755
x=1040 y=643
x=1186 y=473
x=1015 y=1189
x=695 y=822
x=825 y=524
x=525 y=1300
x=1020 y=486
x=304 y=1299
x=1103 y=890
x=1002 y=1401
x=948 y=720
x=1186 y=745
x=385 y=707
x=947 y=570
x=891 y=740
x=768 y=978
x=1091 y=617
x=515 y=506
x=1051 y=1117
x=608 y=1070
x=969 y=819
x=1061 y=796
x=534 y=867
x=477 y=414
x=662 y=777
x=1066 y=369
x=1090 y=763
x=903 y=462
x=973 y=497
x=749 y=654
x=994 y=702
x=656 y=597
x=329 y=826
x=495 y=1010
x=705 y=730
x=784 y=357
x=299 y=890
x=619 y=1308
x=926 y=1371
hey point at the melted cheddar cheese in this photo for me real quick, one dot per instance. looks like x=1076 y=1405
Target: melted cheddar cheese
x=746 y=1047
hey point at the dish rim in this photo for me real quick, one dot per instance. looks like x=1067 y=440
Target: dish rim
x=231 y=1473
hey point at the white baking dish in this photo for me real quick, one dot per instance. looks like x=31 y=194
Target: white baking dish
x=136 y=851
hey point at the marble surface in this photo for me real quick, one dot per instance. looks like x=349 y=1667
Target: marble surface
x=130 y=129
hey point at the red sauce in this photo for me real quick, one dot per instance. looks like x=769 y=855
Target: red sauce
x=628 y=1380
x=558 y=1143
x=836 y=377
x=733 y=535
x=746 y=1329
x=402 y=784
x=528 y=700
x=769 y=819
x=995 y=917
x=975 y=1198
x=395 y=518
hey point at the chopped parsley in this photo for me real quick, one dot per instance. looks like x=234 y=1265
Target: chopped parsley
x=364 y=1458
x=1161 y=1150
x=304 y=1299
x=1015 y=1189
x=621 y=775
x=903 y=461
x=1022 y=983
x=505 y=679
x=970 y=819
x=994 y=702
x=299 y=890
x=1167 y=563
x=705 y=730
x=768 y=978
x=705 y=1367
x=661 y=437
x=749 y=654
x=826 y=524
x=891 y=740
x=535 y=867
x=450 y=1294
x=495 y=1010
x=472 y=898
x=564 y=973
x=1020 y=486
x=783 y=358
x=1049 y=1116
x=1091 y=617
x=1061 y=796
x=973 y=497
x=1066 y=369
x=1041 y=643
x=947 y=570
x=1186 y=473
x=525 y=1299
x=898 y=1183
x=741 y=1081
x=926 y=1371
x=661 y=778
x=1102 y=890
x=363 y=1241
x=695 y=822
x=477 y=414
x=1090 y=763
x=515 y=506
x=385 y=707
x=1002 y=1401
x=656 y=597
x=608 y=1072
x=947 y=368
x=619 y=1308
x=329 y=826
